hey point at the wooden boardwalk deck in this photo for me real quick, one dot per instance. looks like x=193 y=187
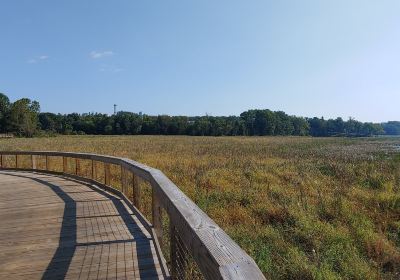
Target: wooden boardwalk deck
x=55 y=228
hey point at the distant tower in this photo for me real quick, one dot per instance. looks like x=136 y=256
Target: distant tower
x=115 y=109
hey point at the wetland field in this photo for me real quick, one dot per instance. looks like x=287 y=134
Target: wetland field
x=302 y=207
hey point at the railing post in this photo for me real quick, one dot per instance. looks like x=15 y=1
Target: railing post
x=178 y=255
x=33 y=162
x=16 y=161
x=47 y=164
x=157 y=216
x=132 y=186
x=1 y=161
x=136 y=192
x=91 y=172
x=65 y=164
x=94 y=172
x=122 y=179
x=106 y=174
x=76 y=166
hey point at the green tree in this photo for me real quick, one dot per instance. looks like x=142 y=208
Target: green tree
x=4 y=111
x=301 y=126
x=391 y=128
x=24 y=117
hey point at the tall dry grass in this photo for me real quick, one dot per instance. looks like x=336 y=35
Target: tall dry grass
x=304 y=208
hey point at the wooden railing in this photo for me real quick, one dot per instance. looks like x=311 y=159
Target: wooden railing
x=194 y=241
x=6 y=135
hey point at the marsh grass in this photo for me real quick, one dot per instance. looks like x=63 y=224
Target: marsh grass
x=303 y=208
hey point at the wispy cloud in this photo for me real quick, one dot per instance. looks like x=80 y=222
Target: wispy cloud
x=108 y=68
x=100 y=54
x=37 y=59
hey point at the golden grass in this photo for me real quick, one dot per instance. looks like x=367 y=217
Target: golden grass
x=304 y=208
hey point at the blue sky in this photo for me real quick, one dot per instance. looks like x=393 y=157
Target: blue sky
x=308 y=58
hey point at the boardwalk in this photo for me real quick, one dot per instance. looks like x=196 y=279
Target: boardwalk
x=55 y=228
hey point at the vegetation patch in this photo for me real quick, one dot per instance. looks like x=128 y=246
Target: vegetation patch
x=303 y=208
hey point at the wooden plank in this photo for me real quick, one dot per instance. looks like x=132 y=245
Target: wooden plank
x=123 y=179
x=37 y=232
x=47 y=163
x=157 y=217
x=139 y=169
x=212 y=249
x=107 y=174
x=94 y=170
x=65 y=165
x=33 y=161
x=217 y=255
x=136 y=192
x=77 y=166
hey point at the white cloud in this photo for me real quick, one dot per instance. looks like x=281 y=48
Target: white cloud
x=100 y=54
x=37 y=59
x=108 y=68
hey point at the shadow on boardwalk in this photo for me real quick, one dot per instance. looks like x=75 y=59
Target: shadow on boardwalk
x=60 y=263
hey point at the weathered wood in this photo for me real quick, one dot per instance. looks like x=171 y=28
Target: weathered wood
x=138 y=168
x=94 y=170
x=136 y=192
x=157 y=217
x=215 y=250
x=122 y=171
x=63 y=233
x=124 y=181
x=77 y=166
x=216 y=254
x=47 y=163
x=107 y=174
x=33 y=161
x=65 y=164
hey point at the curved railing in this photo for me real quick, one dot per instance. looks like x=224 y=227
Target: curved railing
x=194 y=241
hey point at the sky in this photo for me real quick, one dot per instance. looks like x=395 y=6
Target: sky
x=307 y=58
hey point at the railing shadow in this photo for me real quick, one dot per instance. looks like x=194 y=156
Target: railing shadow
x=68 y=244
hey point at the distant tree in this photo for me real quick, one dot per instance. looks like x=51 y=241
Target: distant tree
x=149 y=125
x=370 y=129
x=251 y=122
x=301 y=126
x=24 y=117
x=161 y=125
x=318 y=127
x=284 y=125
x=50 y=122
x=391 y=128
x=4 y=112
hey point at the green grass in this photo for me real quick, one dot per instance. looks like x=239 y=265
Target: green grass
x=303 y=208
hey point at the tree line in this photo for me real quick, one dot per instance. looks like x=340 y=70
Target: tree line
x=23 y=118
x=20 y=117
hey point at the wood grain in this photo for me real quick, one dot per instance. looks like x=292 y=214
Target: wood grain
x=55 y=228
x=215 y=253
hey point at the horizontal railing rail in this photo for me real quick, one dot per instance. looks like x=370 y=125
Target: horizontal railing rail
x=192 y=234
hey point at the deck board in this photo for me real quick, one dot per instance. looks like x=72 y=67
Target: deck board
x=55 y=228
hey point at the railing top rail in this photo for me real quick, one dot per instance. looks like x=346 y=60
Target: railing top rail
x=216 y=254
